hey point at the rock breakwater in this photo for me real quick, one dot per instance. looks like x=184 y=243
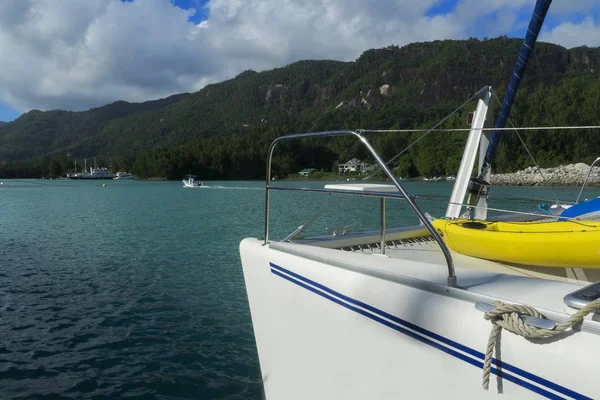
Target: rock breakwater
x=564 y=175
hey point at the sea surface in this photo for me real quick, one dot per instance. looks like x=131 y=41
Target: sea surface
x=135 y=290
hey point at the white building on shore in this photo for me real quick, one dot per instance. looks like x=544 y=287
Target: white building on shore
x=354 y=165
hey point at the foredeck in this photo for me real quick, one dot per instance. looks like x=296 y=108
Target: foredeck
x=414 y=243
x=421 y=263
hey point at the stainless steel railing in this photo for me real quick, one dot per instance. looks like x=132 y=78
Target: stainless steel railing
x=452 y=280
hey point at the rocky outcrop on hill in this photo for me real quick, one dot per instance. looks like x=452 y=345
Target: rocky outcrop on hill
x=385 y=90
x=564 y=175
x=274 y=93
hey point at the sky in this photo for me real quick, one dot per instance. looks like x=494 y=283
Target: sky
x=75 y=55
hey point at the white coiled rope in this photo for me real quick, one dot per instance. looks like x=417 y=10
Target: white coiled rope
x=510 y=317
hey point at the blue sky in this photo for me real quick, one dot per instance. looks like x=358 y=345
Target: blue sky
x=198 y=5
x=7 y=113
x=557 y=15
x=83 y=54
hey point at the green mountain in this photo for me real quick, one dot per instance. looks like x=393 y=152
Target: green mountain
x=39 y=133
x=393 y=87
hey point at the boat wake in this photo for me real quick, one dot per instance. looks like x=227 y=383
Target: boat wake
x=16 y=183
x=231 y=187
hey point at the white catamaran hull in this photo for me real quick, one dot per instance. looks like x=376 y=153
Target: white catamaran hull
x=340 y=325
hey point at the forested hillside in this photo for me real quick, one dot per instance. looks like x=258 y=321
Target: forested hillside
x=223 y=131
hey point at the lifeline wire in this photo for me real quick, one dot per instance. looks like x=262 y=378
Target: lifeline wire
x=427 y=132
x=523 y=128
x=546 y=216
x=537 y=199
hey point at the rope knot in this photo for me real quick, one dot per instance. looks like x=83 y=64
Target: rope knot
x=511 y=318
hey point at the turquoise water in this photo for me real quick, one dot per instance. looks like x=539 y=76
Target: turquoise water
x=136 y=290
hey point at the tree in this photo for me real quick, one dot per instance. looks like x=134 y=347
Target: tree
x=54 y=168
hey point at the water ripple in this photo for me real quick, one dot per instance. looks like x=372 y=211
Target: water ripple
x=137 y=298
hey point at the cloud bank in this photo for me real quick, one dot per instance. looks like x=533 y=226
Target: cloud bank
x=73 y=54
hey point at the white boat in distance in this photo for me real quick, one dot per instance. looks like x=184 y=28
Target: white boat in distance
x=124 y=176
x=191 y=182
x=394 y=314
x=94 y=174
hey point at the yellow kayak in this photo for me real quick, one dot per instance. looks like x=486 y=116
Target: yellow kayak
x=549 y=244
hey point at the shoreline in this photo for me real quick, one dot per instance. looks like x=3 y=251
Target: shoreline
x=563 y=175
x=569 y=175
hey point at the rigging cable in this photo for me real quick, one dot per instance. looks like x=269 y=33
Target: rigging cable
x=537 y=167
x=427 y=132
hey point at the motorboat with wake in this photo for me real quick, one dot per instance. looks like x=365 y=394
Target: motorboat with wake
x=191 y=182
x=396 y=313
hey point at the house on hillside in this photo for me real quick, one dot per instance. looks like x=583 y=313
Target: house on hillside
x=354 y=165
x=307 y=171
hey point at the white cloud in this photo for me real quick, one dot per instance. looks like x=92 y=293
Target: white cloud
x=586 y=33
x=74 y=55
x=77 y=54
x=267 y=33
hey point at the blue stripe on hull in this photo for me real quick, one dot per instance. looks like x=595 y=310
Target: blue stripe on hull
x=343 y=301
